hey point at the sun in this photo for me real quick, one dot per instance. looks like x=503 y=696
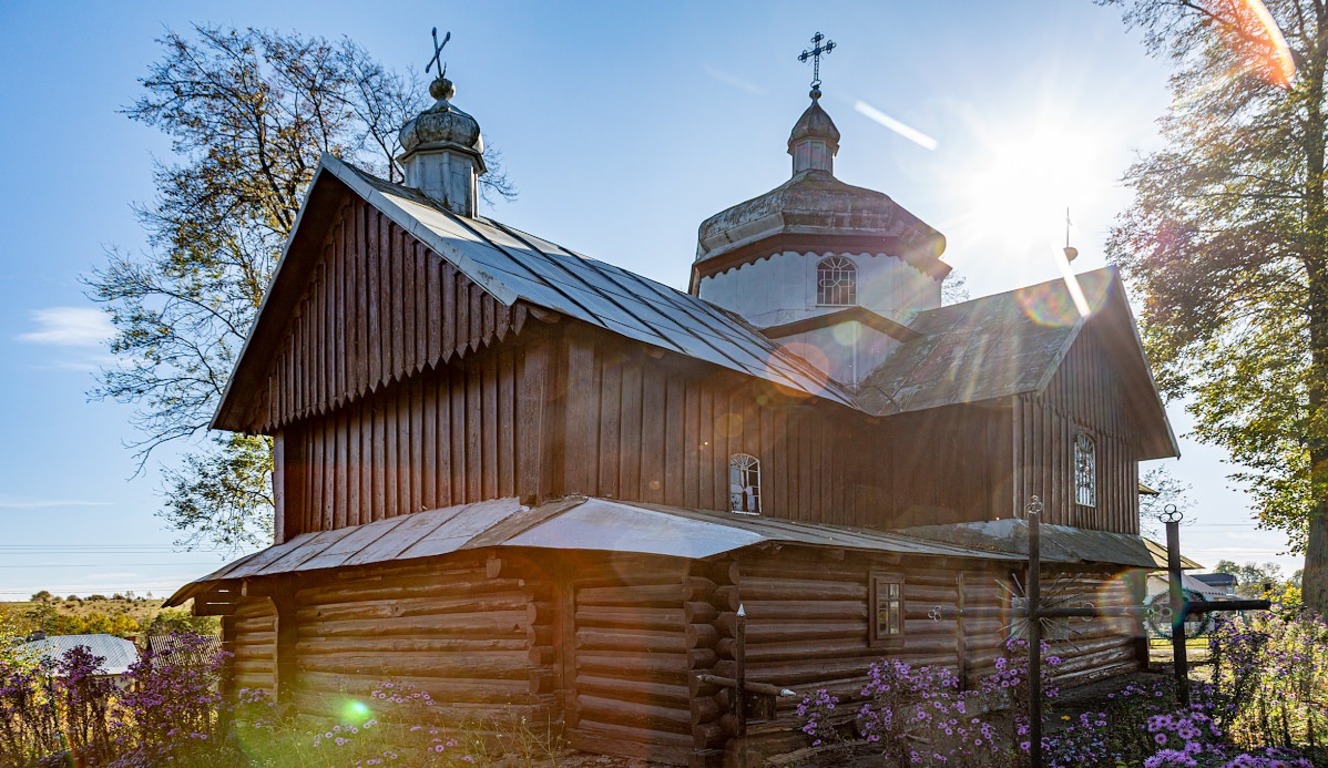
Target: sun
x=1023 y=178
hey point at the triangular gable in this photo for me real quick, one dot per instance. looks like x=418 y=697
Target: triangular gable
x=509 y=268
x=1014 y=343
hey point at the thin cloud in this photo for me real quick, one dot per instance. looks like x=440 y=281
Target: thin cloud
x=21 y=502
x=69 y=327
x=907 y=131
x=735 y=81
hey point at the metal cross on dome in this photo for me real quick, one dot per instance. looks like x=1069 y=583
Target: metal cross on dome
x=437 y=53
x=815 y=54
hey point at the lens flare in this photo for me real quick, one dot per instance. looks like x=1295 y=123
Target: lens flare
x=1280 y=65
x=355 y=711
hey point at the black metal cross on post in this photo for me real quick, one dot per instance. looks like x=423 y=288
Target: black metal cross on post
x=815 y=53
x=436 y=61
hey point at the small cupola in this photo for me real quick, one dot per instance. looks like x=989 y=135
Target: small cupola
x=814 y=141
x=443 y=152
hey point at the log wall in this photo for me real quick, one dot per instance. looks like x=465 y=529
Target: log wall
x=251 y=634
x=1083 y=396
x=808 y=614
x=631 y=653
x=445 y=627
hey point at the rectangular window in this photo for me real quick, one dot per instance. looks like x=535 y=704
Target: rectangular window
x=887 y=608
x=1085 y=471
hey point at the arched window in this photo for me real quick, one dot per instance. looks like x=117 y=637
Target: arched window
x=1085 y=470
x=744 y=484
x=836 y=282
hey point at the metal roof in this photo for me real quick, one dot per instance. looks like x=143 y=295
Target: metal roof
x=592 y=524
x=1059 y=543
x=513 y=265
x=986 y=348
x=117 y=653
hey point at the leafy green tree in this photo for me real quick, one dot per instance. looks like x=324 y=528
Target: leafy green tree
x=249 y=113
x=1226 y=244
x=1252 y=578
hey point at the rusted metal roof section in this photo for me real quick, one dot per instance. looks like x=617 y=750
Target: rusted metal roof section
x=513 y=265
x=1060 y=543
x=987 y=348
x=573 y=523
x=1159 y=553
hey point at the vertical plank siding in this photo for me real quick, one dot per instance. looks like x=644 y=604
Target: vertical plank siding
x=1083 y=396
x=441 y=438
x=380 y=307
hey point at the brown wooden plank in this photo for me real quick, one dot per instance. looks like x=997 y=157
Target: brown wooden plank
x=630 y=447
x=433 y=293
x=474 y=384
x=675 y=436
x=582 y=411
x=397 y=291
x=610 y=397
x=440 y=394
x=461 y=461
x=532 y=400
x=506 y=423
x=489 y=420
x=451 y=311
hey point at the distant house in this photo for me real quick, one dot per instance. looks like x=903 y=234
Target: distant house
x=1222 y=582
x=117 y=653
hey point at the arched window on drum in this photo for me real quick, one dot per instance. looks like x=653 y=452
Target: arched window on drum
x=836 y=282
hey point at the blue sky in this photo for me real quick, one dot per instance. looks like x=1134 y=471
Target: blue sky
x=623 y=124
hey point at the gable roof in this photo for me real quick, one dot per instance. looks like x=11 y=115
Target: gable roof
x=987 y=348
x=1012 y=343
x=514 y=266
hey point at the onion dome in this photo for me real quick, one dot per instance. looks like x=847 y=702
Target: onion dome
x=815 y=139
x=442 y=126
x=443 y=153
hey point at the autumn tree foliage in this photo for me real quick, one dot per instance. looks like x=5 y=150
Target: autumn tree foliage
x=1226 y=244
x=249 y=113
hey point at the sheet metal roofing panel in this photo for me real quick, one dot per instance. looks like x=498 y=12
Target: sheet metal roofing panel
x=572 y=523
x=117 y=653
x=982 y=349
x=1060 y=543
x=610 y=526
x=514 y=265
x=817 y=534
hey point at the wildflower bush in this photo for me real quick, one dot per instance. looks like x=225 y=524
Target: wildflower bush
x=169 y=710
x=1265 y=708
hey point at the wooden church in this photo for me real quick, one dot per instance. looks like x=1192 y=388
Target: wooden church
x=536 y=484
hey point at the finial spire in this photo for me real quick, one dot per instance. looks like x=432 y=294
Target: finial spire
x=441 y=87
x=815 y=53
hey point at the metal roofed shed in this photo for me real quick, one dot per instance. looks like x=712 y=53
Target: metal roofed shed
x=117 y=653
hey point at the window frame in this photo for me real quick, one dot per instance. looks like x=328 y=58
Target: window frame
x=880 y=583
x=750 y=467
x=844 y=272
x=1085 y=469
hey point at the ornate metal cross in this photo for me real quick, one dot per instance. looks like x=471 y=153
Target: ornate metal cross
x=437 y=52
x=815 y=55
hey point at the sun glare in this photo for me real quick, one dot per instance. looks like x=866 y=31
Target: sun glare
x=1018 y=193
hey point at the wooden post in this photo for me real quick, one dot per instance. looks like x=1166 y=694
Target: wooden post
x=1034 y=599
x=740 y=672
x=1172 y=517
